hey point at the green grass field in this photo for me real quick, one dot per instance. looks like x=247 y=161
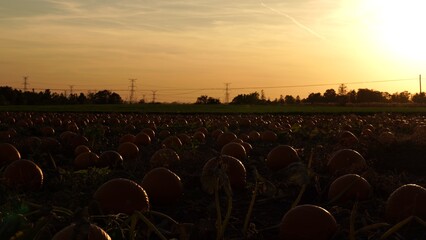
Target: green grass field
x=216 y=109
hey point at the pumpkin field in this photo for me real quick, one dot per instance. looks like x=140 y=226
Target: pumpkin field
x=100 y=175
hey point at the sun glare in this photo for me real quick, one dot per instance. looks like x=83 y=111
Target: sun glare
x=399 y=27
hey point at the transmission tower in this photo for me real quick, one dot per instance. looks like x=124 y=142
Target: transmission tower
x=25 y=83
x=132 y=89
x=71 y=89
x=153 y=95
x=227 y=92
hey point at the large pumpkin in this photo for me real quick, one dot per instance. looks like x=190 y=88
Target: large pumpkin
x=23 y=175
x=233 y=167
x=83 y=231
x=307 y=222
x=162 y=186
x=121 y=195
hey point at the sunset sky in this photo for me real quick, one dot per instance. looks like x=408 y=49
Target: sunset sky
x=184 y=49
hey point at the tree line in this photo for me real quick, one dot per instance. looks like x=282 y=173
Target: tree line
x=330 y=96
x=364 y=95
x=11 y=96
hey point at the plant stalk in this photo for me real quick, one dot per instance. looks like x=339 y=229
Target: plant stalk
x=218 y=209
x=396 y=227
x=151 y=225
x=352 y=231
x=251 y=205
x=227 y=216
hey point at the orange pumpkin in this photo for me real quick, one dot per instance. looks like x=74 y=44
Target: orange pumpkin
x=281 y=156
x=235 y=150
x=405 y=201
x=349 y=187
x=162 y=186
x=346 y=161
x=23 y=175
x=8 y=153
x=307 y=222
x=82 y=231
x=165 y=157
x=121 y=195
x=233 y=167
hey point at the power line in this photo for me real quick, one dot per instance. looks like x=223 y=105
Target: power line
x=168 y=89
x=176 y=94
x=323 y=84
x=282 y=86
x=77 y=89
x=243 y=88
x=186 y=89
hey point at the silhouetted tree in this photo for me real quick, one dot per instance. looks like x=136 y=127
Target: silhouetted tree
x=281 y=99
x=330 y=96
x=262 y=96
x=386 y=96
x=298 y=99
x=204 y=99
x=115 y=98
x=46 y=96
x=314 y=98
x=59 y=98
x=366 y=95
x=30 y=98
x=289 y=99
x=106 y=97
x=82 y=99
x=419 y=98
x=402 y=97
x=8 y=95
x=73 y=98
x=252 y=98
x=351 y=96
x=212 y=100
x=342 y=99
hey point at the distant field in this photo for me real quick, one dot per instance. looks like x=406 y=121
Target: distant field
x=228 y=109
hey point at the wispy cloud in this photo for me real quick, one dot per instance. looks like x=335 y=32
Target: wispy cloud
x=159 y=16
x=68 y=6
x=294 y=20
x=151 y=15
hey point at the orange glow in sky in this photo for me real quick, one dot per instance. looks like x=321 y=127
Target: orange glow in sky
x=184 y=49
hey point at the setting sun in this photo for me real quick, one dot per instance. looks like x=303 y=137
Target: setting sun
x=399 y=25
